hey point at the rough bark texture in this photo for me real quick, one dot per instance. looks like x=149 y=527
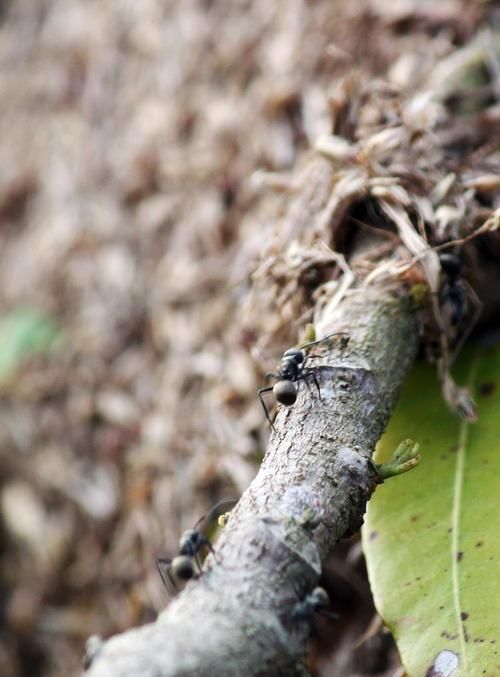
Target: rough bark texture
x=310 y=492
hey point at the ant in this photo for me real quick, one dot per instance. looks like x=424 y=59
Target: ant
x=316 y=602
x=292 y=369
x=452 y=290
x=457 y=297
x=192 y=541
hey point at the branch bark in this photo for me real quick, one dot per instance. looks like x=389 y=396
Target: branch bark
x=310 y=492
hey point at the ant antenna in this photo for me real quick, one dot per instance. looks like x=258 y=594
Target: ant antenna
x=211 y=513
x=313 y=343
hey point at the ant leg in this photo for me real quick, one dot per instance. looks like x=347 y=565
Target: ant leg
x=198 y=563
x=211 y=549
x=163 y=568
x=206 y=542
x=310 y=372
x=303 y=377
x=260 y=391
x=307 y=358
x=315 y=379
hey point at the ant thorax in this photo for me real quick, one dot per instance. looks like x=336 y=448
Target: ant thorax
x=190 y=542
x=291 y=364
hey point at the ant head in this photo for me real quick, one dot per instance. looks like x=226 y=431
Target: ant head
x=296 y=354
x=182 y=567
x=285 y=392
x=450 y=263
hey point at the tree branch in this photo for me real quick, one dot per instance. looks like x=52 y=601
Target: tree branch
x=310 y=492
x=317 y=476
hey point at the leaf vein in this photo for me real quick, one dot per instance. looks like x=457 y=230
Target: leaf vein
x=455 y=526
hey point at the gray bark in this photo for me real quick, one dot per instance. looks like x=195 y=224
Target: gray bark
x=310 y=492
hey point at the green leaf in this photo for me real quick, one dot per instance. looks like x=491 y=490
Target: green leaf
x=431 y=536
x=23 y=333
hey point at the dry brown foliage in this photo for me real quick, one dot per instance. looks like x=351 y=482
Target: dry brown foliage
x=131 y=137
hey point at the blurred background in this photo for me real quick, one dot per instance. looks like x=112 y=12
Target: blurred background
x=129 y=228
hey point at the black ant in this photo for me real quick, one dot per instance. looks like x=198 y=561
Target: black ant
x=192 y=541
x=316 y=602
x=456 y=297
x=452 y=291
x=292 y=369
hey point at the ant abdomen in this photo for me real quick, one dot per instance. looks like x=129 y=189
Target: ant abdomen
x=285 y=392
x=182 y=567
